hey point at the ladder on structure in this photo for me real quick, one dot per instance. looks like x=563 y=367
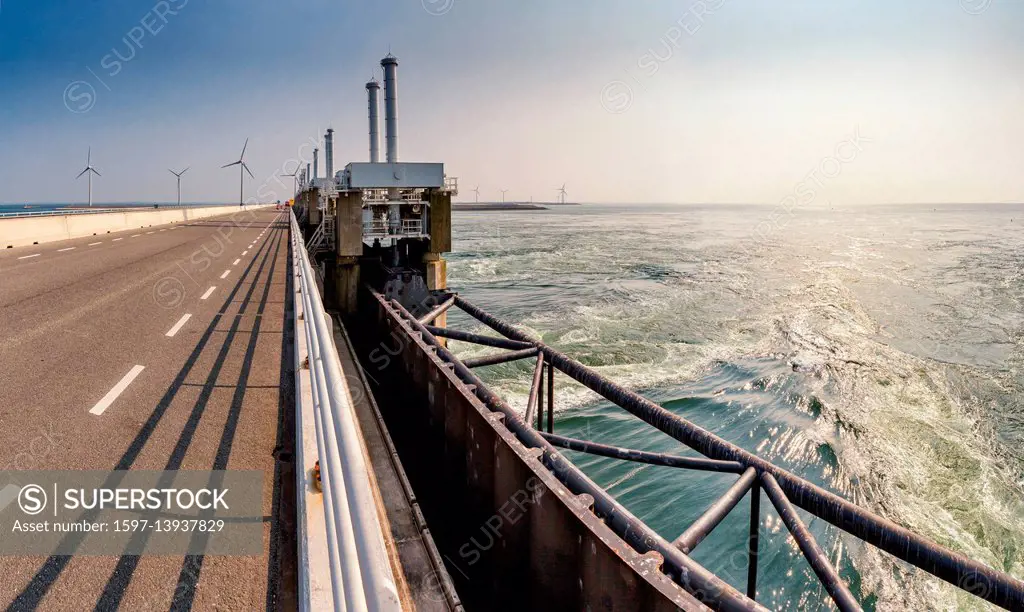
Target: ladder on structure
x=323 y=238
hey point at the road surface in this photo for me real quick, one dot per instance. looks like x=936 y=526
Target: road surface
x=162 y=348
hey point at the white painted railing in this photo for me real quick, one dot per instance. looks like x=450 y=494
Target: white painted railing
x=360 y=571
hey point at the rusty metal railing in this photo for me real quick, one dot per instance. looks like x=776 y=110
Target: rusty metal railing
x=785 y=490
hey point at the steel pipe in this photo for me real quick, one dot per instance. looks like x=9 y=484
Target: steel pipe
x=628 y=454
x=478 y=339
x=711 y=518
x=994 y=586
x=535 y=389
x=827 y=574
x=753 y=539
x=431 y=316
x=489 y=360
x=696 y=579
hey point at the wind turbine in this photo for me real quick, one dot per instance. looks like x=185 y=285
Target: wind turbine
x=241 y=176
x=503 y=192
x=562 y=193
x=477 y=192
x=295 y=181
x=91 y=171
x=179 y=174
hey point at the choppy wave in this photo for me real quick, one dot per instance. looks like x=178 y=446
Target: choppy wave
x=881 y=361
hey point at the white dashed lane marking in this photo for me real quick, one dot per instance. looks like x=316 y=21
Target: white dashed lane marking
x=177 y=326
x=208 y=293
x=30 y=256
x=118 y=389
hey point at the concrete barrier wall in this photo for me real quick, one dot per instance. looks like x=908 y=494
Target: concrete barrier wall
x=26 y=231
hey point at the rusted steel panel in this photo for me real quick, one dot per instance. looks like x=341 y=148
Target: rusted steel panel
x=529 y=546
x=454 y=406
x=514 y=497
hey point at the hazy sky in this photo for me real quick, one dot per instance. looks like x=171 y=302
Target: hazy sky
x=625 y=101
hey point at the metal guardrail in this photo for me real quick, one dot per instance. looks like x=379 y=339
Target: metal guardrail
x=378 y=228
x=784 y=489
x=360 y=570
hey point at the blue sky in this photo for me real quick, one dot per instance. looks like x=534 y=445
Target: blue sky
x=654 y=101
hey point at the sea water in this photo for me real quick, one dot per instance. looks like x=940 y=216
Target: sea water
x=875 y=350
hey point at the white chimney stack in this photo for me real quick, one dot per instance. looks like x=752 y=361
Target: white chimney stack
x=373 y=100
x=329 y=153
x=390 y=65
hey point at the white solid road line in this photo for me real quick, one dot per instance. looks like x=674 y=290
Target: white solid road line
x=225 y=275
x=177 y=326
x=30 y=256
x=118 y=389
x=208 y=293
x=94 y=243
x=67 y=249
x=236 y=262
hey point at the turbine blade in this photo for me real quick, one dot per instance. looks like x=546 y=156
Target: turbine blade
x=229 y=165
x=186 y=170
x=81 y=173
x=94 y=172
x=248 y=170
x=246 y=145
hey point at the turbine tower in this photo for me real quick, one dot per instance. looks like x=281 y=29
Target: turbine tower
x=477 y=192
x=241 y=176
x=179 y=174
x=562 y=193
x=91 y=171
x=503 y=192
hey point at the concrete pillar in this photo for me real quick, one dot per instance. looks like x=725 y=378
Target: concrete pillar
x=435 y=267
x=437 y=271
x=348 y=249
x=440 y=222
x=346 y=284
x=313 y=196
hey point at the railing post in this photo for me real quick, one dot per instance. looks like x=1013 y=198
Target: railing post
x=540 y=400
x=551 y=399
x=752 y=540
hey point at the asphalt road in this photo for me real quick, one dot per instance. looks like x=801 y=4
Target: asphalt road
x=163 y=348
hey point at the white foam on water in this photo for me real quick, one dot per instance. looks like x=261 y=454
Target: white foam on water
x=916 y=441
